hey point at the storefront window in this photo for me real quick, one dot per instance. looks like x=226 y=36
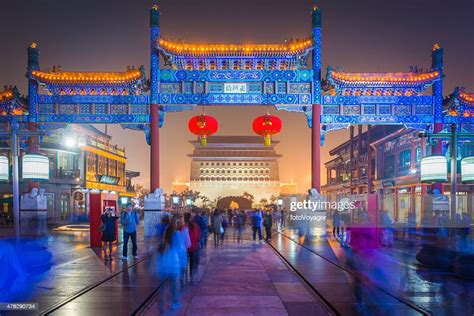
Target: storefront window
x=91 y=167
x=102 y=165
x=403 y=204
x=418 y=156
x=112 y=168
x=388 y=203
x=389 y=166
x=64 y=205
x=404 y=161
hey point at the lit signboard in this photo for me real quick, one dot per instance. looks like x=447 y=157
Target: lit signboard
x=235 y=88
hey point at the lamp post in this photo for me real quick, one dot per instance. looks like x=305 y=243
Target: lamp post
x=453 y=135
x=279 y=202
x=175 y=200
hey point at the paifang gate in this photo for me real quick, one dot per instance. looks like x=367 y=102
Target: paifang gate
x=234 y=74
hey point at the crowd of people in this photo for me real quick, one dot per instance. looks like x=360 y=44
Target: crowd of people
x=181 y=237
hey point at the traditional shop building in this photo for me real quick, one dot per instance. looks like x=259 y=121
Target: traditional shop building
x=348 y=171
x=82 y=160
x=398 y=175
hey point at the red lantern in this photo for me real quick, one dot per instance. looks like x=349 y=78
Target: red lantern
x=203 y=125
x=266 y=126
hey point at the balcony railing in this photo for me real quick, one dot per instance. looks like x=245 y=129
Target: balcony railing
x=65 y=174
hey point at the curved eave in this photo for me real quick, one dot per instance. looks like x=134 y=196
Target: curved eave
x=383 y=80
x=467 y=98
x=62 y=78
x=7 y=96
x=180 y=50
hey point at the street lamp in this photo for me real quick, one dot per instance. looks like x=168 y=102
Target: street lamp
x=70 y=142
x=175 y=199
x=434 y=169
x=35 y=167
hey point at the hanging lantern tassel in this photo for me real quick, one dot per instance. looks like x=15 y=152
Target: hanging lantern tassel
x=203 y=140
x=203 y=126
x=267 y=140
x=266 y=126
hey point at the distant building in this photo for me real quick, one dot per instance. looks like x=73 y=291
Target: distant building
x=179 y=187
x=232 y=165
x=288 y=188
x=82 y=158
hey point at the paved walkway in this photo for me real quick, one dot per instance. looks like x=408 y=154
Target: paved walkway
x=394 y=269
x=74 y=267
x=244 y=279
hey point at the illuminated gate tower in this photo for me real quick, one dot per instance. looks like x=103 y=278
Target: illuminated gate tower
x=234 y=74
x=232 y=165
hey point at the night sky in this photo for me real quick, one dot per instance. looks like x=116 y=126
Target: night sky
x=362 y=35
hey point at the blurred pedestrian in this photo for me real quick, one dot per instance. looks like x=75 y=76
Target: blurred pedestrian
x=169 y=262
x=225 y=224
x=193 y=250
x=336 y=223
x=256 y=221
x=283 y=218
x=109 y=218
x=183 y=253
x=387 y=233
x=268 y=222
x=240 y=225
x=203 y=226
x=411 y=223
x=217 y=226
x=162 y=226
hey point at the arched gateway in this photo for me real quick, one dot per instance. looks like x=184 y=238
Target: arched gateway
x=228 y=201
x=233 y=74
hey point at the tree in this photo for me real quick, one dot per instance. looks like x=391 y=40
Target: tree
x=273 y=199
x=248 y=196
x=263 y=201
x=141 y=191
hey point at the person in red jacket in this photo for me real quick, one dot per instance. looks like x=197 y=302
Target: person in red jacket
x=193 y=250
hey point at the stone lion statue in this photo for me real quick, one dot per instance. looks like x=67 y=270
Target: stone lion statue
x=155 y=200
x=313 y=192
x=33 y=193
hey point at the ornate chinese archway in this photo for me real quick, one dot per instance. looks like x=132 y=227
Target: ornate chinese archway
x=215 y=74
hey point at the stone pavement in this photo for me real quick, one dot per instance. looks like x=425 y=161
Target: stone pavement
x=243 y=279
x=75 y=266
